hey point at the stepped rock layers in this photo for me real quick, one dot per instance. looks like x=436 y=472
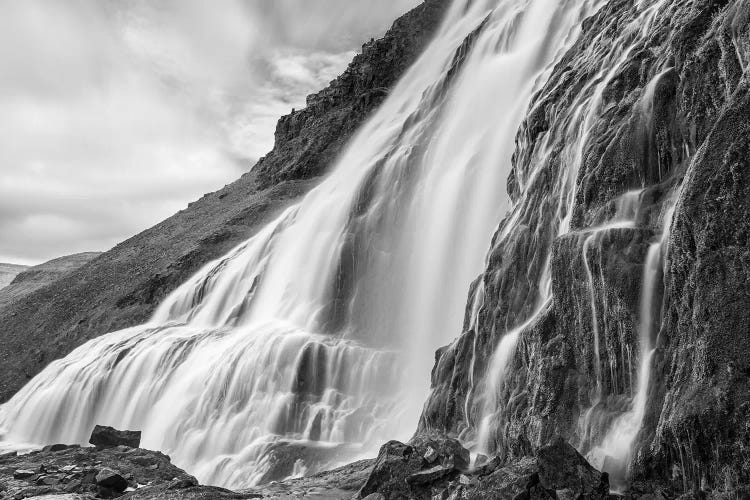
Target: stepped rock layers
x=631 y=217
x=123 y=286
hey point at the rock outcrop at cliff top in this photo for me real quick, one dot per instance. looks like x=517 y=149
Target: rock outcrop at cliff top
x=674 y=112
x=123 y=286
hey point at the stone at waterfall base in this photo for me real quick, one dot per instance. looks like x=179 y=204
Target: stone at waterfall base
x=555 y=471
x=107 y=437
x=76 y=473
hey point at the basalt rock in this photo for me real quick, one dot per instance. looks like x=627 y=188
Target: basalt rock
x=108 y=437
x=88 y=472
x=555 y=471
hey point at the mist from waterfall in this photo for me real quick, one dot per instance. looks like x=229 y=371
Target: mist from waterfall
x=317 y=334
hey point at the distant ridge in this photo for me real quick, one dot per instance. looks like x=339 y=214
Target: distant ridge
x=8 y=272
x=26 y=280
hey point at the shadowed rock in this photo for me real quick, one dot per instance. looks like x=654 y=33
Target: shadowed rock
x=108 y=437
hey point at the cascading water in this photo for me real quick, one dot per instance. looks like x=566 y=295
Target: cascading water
x=602 y=431
x=298 y=336
x=612 y=412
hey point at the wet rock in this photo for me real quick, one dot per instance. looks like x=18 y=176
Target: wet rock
x=431 y=456
x=447 y=451
x=396 y=461
x=429 y=475
x=185 y=481
x=47 y=481
x=107 y=437
x=374 y=496
x=283 y=456
x=23 y=474
x=561 y=467
x=108 y=478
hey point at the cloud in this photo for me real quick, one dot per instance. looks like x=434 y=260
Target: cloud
x=116 y=114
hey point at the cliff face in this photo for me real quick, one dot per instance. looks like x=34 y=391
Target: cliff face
x=658 y=105
x=123 y=286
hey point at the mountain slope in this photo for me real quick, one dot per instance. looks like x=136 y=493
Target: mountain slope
x=123 y=286
x=8 y=272
x=35 y=277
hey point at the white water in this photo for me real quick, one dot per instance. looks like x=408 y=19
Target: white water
x=320 y=329
x=614 y=454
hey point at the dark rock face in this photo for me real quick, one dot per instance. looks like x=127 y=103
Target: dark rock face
x=564 y=470
x=122 y=287
x=557 y=471
x=690 y=145
x=108 y=479
x=108 y=437
x=396 y=461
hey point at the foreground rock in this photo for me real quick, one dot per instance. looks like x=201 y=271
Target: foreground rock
x=108 y=437
x=432 y=467
x=438 y=468
x=86 y=473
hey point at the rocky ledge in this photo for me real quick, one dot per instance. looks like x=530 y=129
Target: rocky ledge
x=114 y=467
x=433 y=467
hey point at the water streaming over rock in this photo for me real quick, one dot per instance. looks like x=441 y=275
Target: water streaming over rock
x=313 y=340
x=557 y=227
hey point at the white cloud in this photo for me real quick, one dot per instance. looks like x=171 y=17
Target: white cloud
x=115 y=114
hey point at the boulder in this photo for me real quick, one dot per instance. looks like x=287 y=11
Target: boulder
x=396 y=461
x=23 y=474
x=563 y=470
x=110 y=479
x=442 y=450
x=109 y=437
x=430 y=475
x=57 y=447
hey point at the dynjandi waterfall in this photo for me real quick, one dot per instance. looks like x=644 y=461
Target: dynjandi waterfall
x=320 y=329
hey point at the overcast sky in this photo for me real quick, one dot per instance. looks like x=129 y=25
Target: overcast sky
x=116 y=114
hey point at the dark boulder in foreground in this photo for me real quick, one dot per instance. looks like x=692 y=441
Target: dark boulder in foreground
x=108 y=437
x=429 y=468
x=80 y=473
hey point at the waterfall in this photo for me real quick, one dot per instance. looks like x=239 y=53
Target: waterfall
x=316 y=335
x=614 y=454
x=601 y=430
